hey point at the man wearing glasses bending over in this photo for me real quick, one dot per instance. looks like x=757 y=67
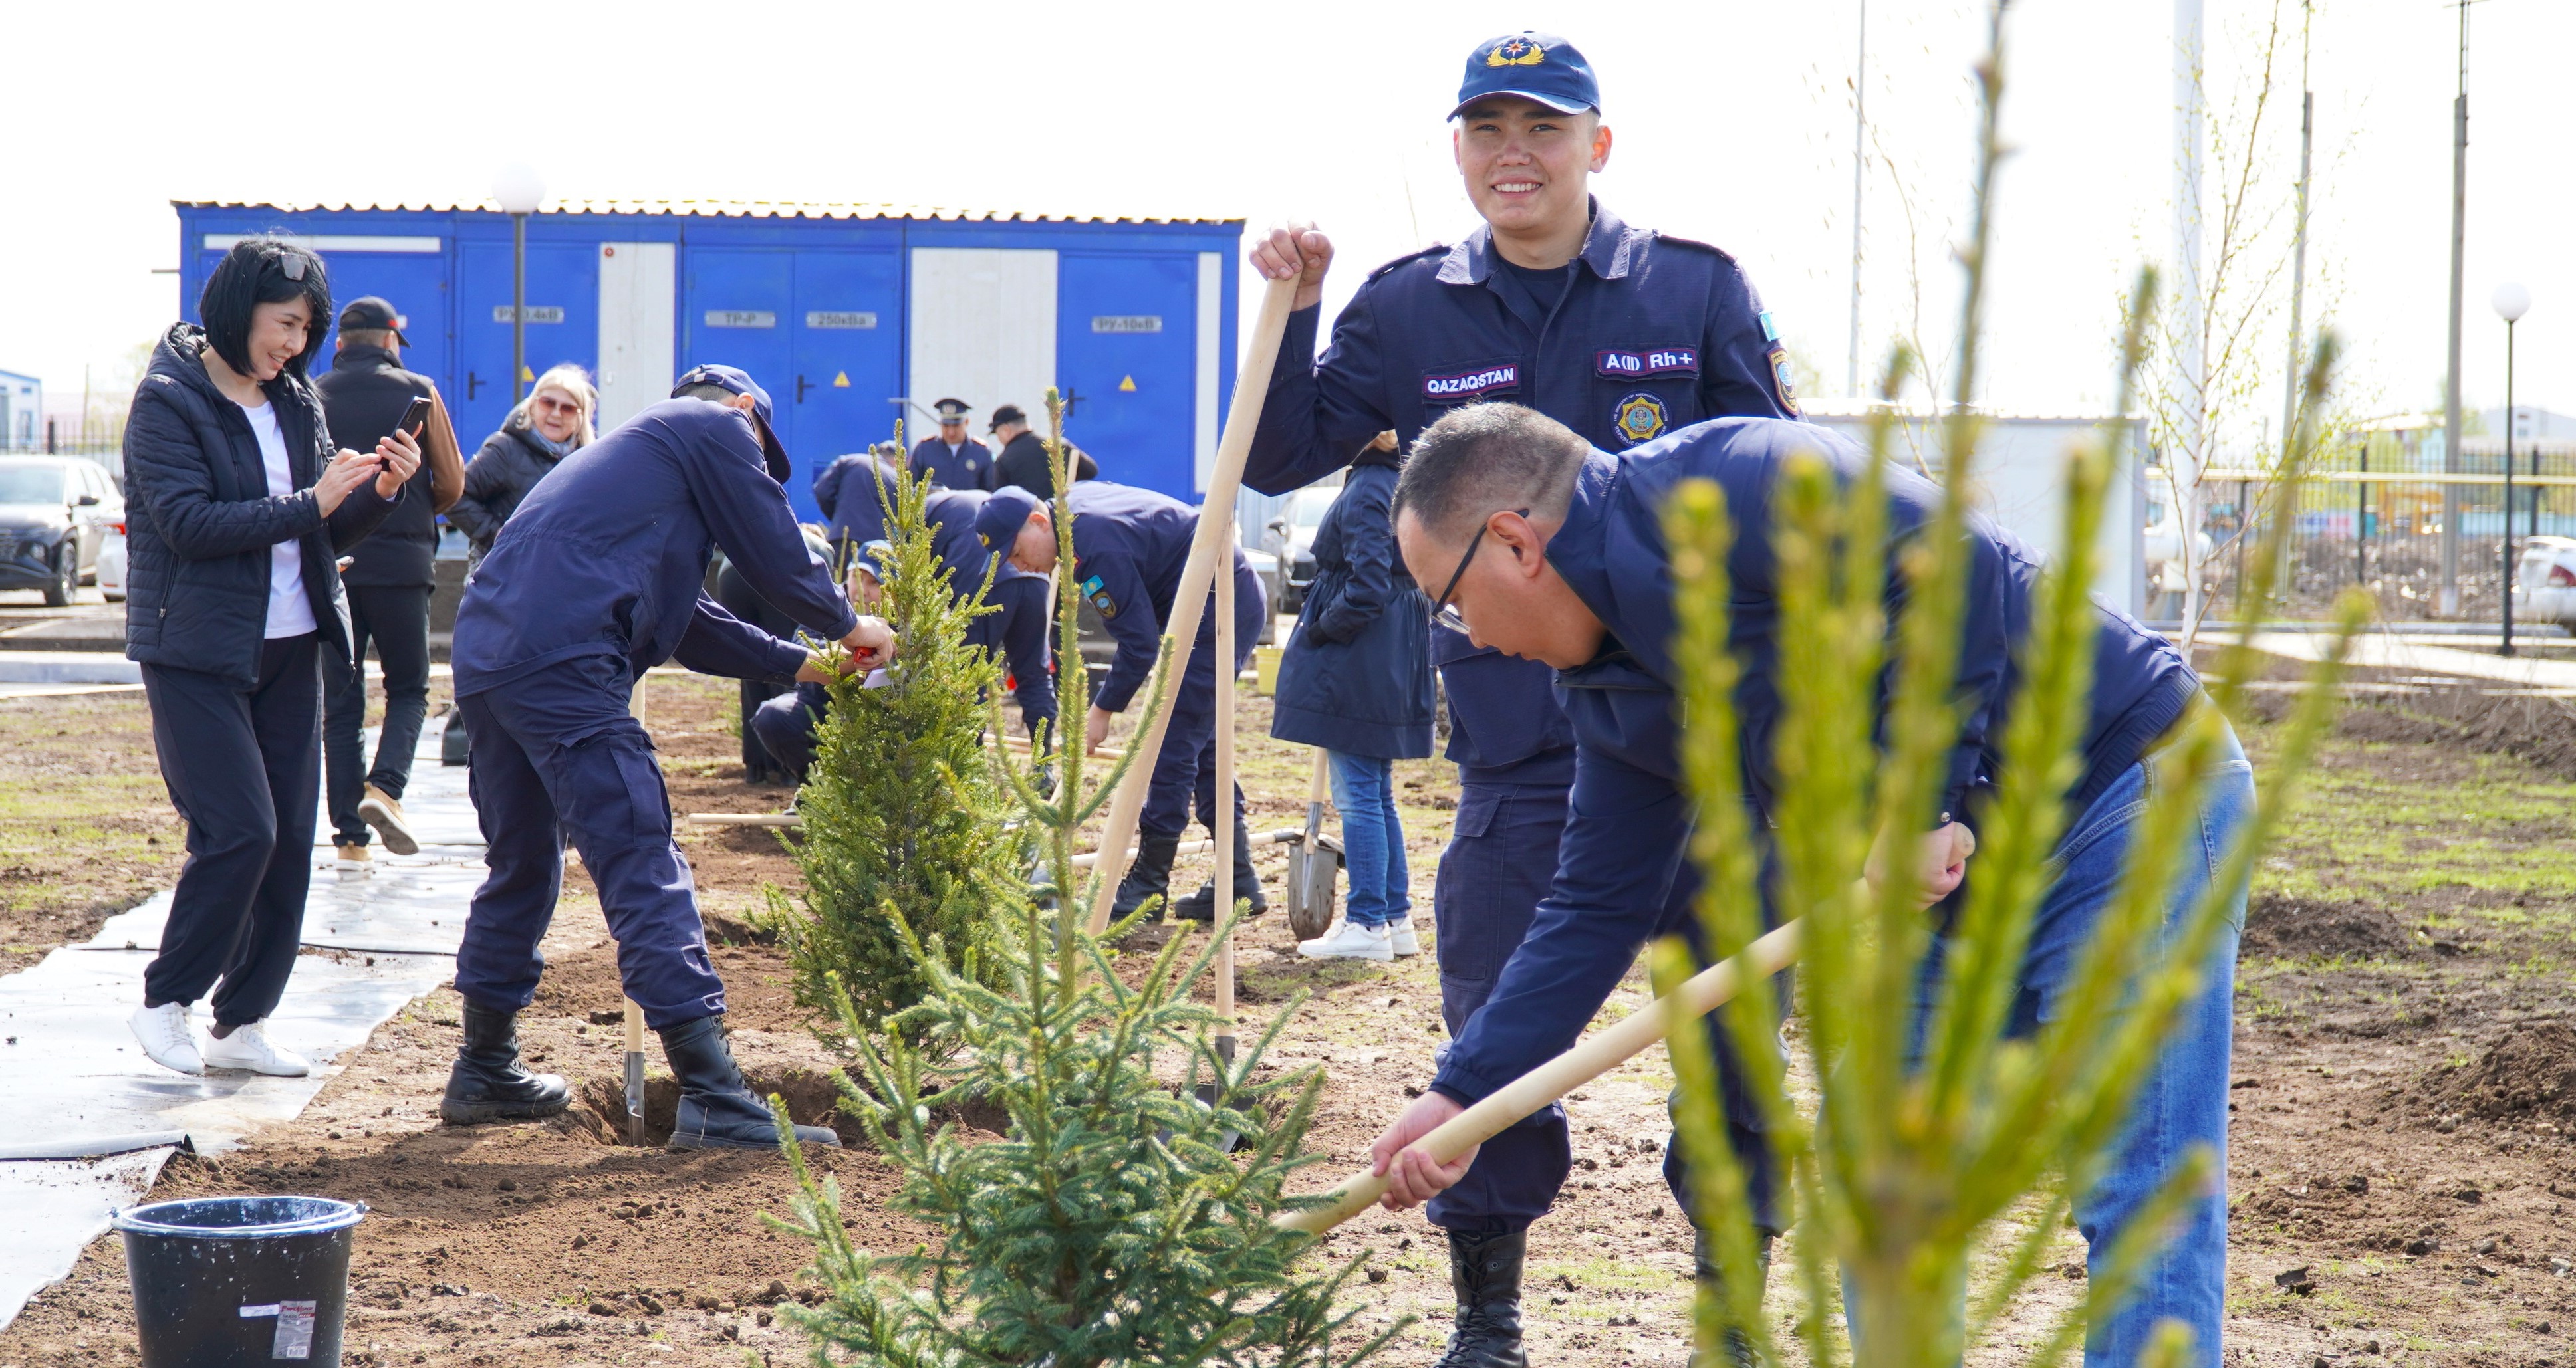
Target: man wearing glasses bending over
x=1620 y=333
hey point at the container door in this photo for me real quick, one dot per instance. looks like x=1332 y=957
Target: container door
x=1127 y=351
x=983 y=329
x=848 y=361
x=415 y=283
x=563 y=325
x=734 y=311
x=638 y=290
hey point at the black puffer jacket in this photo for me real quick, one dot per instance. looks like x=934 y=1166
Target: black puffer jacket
x=200 y=520
x=500 y=475
x=1356 y=676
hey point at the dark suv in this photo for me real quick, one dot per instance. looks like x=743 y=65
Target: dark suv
x=55 y=512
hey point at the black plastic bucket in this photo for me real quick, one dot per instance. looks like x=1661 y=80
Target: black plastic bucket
x=232 y=1282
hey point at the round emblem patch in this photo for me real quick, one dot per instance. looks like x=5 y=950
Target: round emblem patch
x=1780 y=377
x=1640 y=418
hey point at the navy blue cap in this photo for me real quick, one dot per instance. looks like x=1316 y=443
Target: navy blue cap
x=735 y=380
x=1004 y=513
x=877 y=557
x=1537 y=66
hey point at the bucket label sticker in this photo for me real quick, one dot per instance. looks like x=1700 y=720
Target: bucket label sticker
x=294 y=1331
x=251 y=1311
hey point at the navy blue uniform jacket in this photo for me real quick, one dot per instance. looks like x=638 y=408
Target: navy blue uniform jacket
x=852 y=502
x=1652 y=333
x=608 y=556
x=1017 y=633
x=1129 y=547
x=970 y=468
x=1621 y=878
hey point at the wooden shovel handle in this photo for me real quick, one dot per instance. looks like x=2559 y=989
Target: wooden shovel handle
x=1589 y=1059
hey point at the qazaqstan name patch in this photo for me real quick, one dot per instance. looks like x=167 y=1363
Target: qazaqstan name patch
x=1471 y=384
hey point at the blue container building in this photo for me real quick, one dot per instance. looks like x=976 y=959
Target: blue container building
x=850 y=315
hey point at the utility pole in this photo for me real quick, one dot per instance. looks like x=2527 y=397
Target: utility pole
x=1860 y=164
x=2451 y=395
x=2299 y=249
x=2192 y=396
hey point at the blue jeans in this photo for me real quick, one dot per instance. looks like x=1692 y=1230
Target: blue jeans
x=2184 y=1101
x=1372 y=839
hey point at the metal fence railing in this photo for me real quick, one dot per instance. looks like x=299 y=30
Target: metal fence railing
x=2381 y=529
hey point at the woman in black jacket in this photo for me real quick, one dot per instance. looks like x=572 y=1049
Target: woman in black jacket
x=1356 y=680
x=553 y=422
x=237 y=507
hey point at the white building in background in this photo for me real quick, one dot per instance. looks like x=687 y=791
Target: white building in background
x=2530 y=423
x=22 y=409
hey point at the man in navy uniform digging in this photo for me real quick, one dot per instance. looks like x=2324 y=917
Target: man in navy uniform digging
x=1129 y=548
x=597 y=578
x=1620 y=333
x=1553 y=551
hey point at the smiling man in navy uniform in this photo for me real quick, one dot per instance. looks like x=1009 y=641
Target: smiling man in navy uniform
x=1620 y=333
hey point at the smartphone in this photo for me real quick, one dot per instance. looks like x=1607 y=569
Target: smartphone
x=414 y=418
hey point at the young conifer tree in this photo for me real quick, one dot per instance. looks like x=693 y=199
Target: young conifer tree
x=903 y=820
x=1907 y=1176
x=1111 y=1223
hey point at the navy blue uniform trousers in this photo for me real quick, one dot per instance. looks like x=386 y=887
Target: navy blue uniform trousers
x=1500 y=862
x=244 y=770
x=786 y=725
x=1186 y=769
x=557 y=750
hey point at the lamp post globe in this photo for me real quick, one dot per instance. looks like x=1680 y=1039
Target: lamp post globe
x=2511 y=301
x=519 y=190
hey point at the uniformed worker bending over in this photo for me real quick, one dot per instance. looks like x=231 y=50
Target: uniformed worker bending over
x=1552 y=551
x=1015 y=632
x=852 y=492
x=1620 y=333
x=596 y=579
x=1129 y=547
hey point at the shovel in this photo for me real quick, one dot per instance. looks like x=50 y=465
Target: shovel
x=1314 y=862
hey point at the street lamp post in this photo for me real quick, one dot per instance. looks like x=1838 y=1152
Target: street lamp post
x=519 y=191
x=2511 y=302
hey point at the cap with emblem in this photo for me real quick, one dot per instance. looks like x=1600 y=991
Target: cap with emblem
x=373 y=314
x=1535 y=66
x=952 y=411
x=735 y=380
x=999 y=521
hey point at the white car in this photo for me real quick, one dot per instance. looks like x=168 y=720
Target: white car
x=111 y=563
x=2545 y=581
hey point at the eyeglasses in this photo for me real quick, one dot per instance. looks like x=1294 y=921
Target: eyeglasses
x=1442 y=611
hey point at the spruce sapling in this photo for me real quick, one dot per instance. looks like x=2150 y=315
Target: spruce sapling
x=903 y=821
x=1108 y=1223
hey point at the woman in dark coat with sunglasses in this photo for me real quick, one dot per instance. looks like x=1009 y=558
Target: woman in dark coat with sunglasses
x=237 y=506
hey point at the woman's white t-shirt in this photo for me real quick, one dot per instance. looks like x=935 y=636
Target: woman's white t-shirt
x=290 y=613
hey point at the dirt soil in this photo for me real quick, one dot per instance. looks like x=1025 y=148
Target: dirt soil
x=2405 y=1089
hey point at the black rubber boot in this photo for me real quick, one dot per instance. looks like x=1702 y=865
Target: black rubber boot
x=1201 y=906
x=1706 y=1273
x=717 y=1109
x=1485 y=1272
x=1149 y=877
x=487 y=1083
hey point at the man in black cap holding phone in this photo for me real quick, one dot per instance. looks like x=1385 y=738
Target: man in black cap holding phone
x=364 y=397
x=953 y=460
x=595 y=579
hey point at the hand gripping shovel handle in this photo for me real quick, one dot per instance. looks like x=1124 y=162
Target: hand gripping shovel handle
x=1701 y=994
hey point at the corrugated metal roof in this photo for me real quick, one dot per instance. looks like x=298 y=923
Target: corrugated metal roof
x=728 y=209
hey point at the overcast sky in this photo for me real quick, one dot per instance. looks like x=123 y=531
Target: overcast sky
x=1733 y=123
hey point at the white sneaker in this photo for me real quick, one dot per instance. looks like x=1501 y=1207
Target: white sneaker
x=1347 y=941
x=249 y=1047
x=166 y=1037
x=1401 y=938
